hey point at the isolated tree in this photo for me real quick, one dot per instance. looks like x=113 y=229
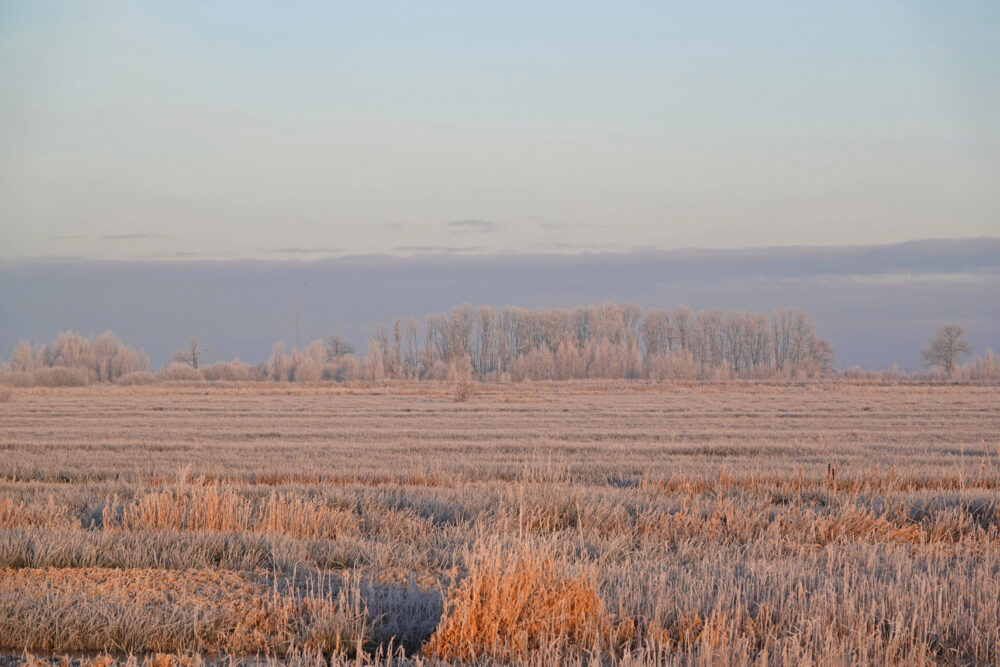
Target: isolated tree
x=193 y=354
x=946 y=347
x=337 y=348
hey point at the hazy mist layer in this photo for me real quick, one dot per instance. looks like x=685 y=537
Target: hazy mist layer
x=875 y=304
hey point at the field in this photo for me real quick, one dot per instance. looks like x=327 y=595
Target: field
x=540 y=522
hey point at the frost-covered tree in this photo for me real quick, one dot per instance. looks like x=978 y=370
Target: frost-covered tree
x=946 y=347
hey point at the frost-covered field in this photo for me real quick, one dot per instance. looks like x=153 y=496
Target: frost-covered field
x=537 y=522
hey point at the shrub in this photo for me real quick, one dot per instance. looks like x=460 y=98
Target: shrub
x=439 y=371
x=460 y=374
x=232 y=371
x=61 y=376
x=178 y=372
x=136 y=378
x=676 y=365
x=347 y=369
x=17 y=378
x=6 y=393
x=308 y=369
x=102 y=359
x=982 y=369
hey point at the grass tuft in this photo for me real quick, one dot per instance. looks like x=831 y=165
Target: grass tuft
x=509 y=608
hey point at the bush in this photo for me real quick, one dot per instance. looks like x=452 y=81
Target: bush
x=233 y=371
x=6 y=393
x=439 y=371
x=676 y=365
x=60 y=363
x=177 y=372
x=17 y=378
x=307 y=369
x=460 y=373
x=348 y=369
x=985 y=369
x=61 y=376
x=136 y=378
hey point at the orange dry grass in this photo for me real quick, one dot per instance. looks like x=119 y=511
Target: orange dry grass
x=727 y=521
x=98 y=609
x=221 y=509
x=509 y=609
x=20 y=514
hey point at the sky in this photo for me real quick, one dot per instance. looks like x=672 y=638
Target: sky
x=283 y=131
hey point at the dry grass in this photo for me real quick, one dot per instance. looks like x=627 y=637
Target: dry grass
x=87 y=609
x=221 y=509
x=627 y=523
x=514 y=605
x=21 y=514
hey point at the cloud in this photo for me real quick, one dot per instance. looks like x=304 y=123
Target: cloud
x=473 y=225
x=436 y=249
x=593 y=247
x=134 y=237
x=305 y=251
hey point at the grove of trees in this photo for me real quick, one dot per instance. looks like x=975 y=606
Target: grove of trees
x=72 y=360
x=606 y=341
x=616 y=341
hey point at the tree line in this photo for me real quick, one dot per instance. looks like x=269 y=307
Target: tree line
x=606 y=341
x=74 y=360
x=611 y=341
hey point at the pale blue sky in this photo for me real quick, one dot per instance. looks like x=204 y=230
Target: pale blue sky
x=281 y=130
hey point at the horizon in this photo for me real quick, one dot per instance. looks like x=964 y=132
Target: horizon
x=876 y=304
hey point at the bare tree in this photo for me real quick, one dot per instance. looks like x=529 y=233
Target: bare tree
x=682 y=319
x=375 y=363
x=193 y=354
x=278 y=364
x=396 y=358
x=337 y=348
x=946 y=347
x=412 y=361
x=380 y=334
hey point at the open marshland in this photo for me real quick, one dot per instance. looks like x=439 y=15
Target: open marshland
x=573 y=522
